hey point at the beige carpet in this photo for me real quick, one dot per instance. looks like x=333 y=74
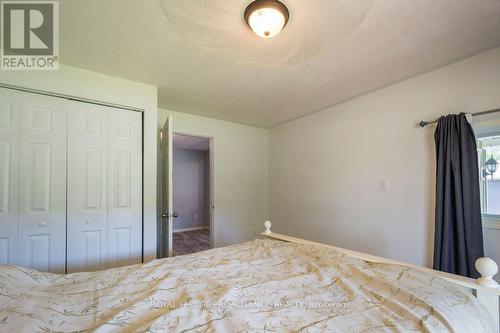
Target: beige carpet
x=190 y=241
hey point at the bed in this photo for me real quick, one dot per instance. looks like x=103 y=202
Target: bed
x=276 y=284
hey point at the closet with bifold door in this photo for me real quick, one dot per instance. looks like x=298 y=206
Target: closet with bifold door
x=70 y=184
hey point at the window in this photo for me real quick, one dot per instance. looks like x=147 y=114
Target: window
x=488 y=146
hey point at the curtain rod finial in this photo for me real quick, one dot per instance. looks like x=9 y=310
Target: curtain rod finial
x=423 y=123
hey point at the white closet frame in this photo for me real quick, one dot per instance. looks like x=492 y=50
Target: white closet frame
x=9 y=205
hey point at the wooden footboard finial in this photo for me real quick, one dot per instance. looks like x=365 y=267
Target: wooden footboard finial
x=488 y=269
x=267 y=224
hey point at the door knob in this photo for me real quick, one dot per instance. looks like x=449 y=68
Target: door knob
x=41 y=224
x=164 y=216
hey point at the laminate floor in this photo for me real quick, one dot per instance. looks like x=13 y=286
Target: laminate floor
x=190 y=241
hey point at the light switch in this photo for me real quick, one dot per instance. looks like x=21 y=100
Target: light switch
x=384 y=184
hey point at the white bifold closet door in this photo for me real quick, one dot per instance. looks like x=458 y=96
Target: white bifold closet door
x=9 y=176
x=33 y=181
x=42 y=183
x=104 y=187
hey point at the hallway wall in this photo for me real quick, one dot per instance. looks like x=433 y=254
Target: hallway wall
x=190 y=173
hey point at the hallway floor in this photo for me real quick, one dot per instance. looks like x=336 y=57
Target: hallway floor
x=190 y=241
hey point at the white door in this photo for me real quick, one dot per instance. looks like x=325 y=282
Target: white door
x=104 y=187
x=87 y=187
x=42 y=183
x=124 y=187
x=166 y=190
x=9 y=176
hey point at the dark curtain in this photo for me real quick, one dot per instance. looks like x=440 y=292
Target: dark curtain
x=458 y=239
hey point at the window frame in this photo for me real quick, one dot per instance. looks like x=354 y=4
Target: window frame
x=490 y=221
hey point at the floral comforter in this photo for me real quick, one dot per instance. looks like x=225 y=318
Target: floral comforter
x=258 y=286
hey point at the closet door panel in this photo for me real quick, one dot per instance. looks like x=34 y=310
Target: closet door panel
x=9 y=175
x=124 y=188
x=42 y=184
x=87 y=187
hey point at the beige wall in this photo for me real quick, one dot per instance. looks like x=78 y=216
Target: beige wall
x=91 y=85
x=327 y=169
x=240 y=155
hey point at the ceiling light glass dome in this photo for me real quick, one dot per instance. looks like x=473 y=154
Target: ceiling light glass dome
x=266 y=17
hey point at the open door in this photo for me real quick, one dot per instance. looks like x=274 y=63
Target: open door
x=166 y=189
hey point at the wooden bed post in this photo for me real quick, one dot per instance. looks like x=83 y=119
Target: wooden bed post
x=486 y=290
x=488 y=269
x=267 y=225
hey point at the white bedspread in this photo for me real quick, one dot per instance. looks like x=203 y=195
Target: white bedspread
x=258 y=286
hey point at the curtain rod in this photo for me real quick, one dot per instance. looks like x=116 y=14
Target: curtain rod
x=425 y=123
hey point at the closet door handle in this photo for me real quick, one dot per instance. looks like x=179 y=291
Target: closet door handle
x=41 y=224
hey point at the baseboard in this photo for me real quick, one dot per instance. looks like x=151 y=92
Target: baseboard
x=189 y=229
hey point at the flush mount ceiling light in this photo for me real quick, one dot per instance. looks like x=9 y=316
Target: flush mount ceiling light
x=266 y=17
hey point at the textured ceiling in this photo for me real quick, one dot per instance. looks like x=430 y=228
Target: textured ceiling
x=206 y=61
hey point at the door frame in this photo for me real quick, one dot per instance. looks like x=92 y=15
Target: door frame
x=211 y=204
